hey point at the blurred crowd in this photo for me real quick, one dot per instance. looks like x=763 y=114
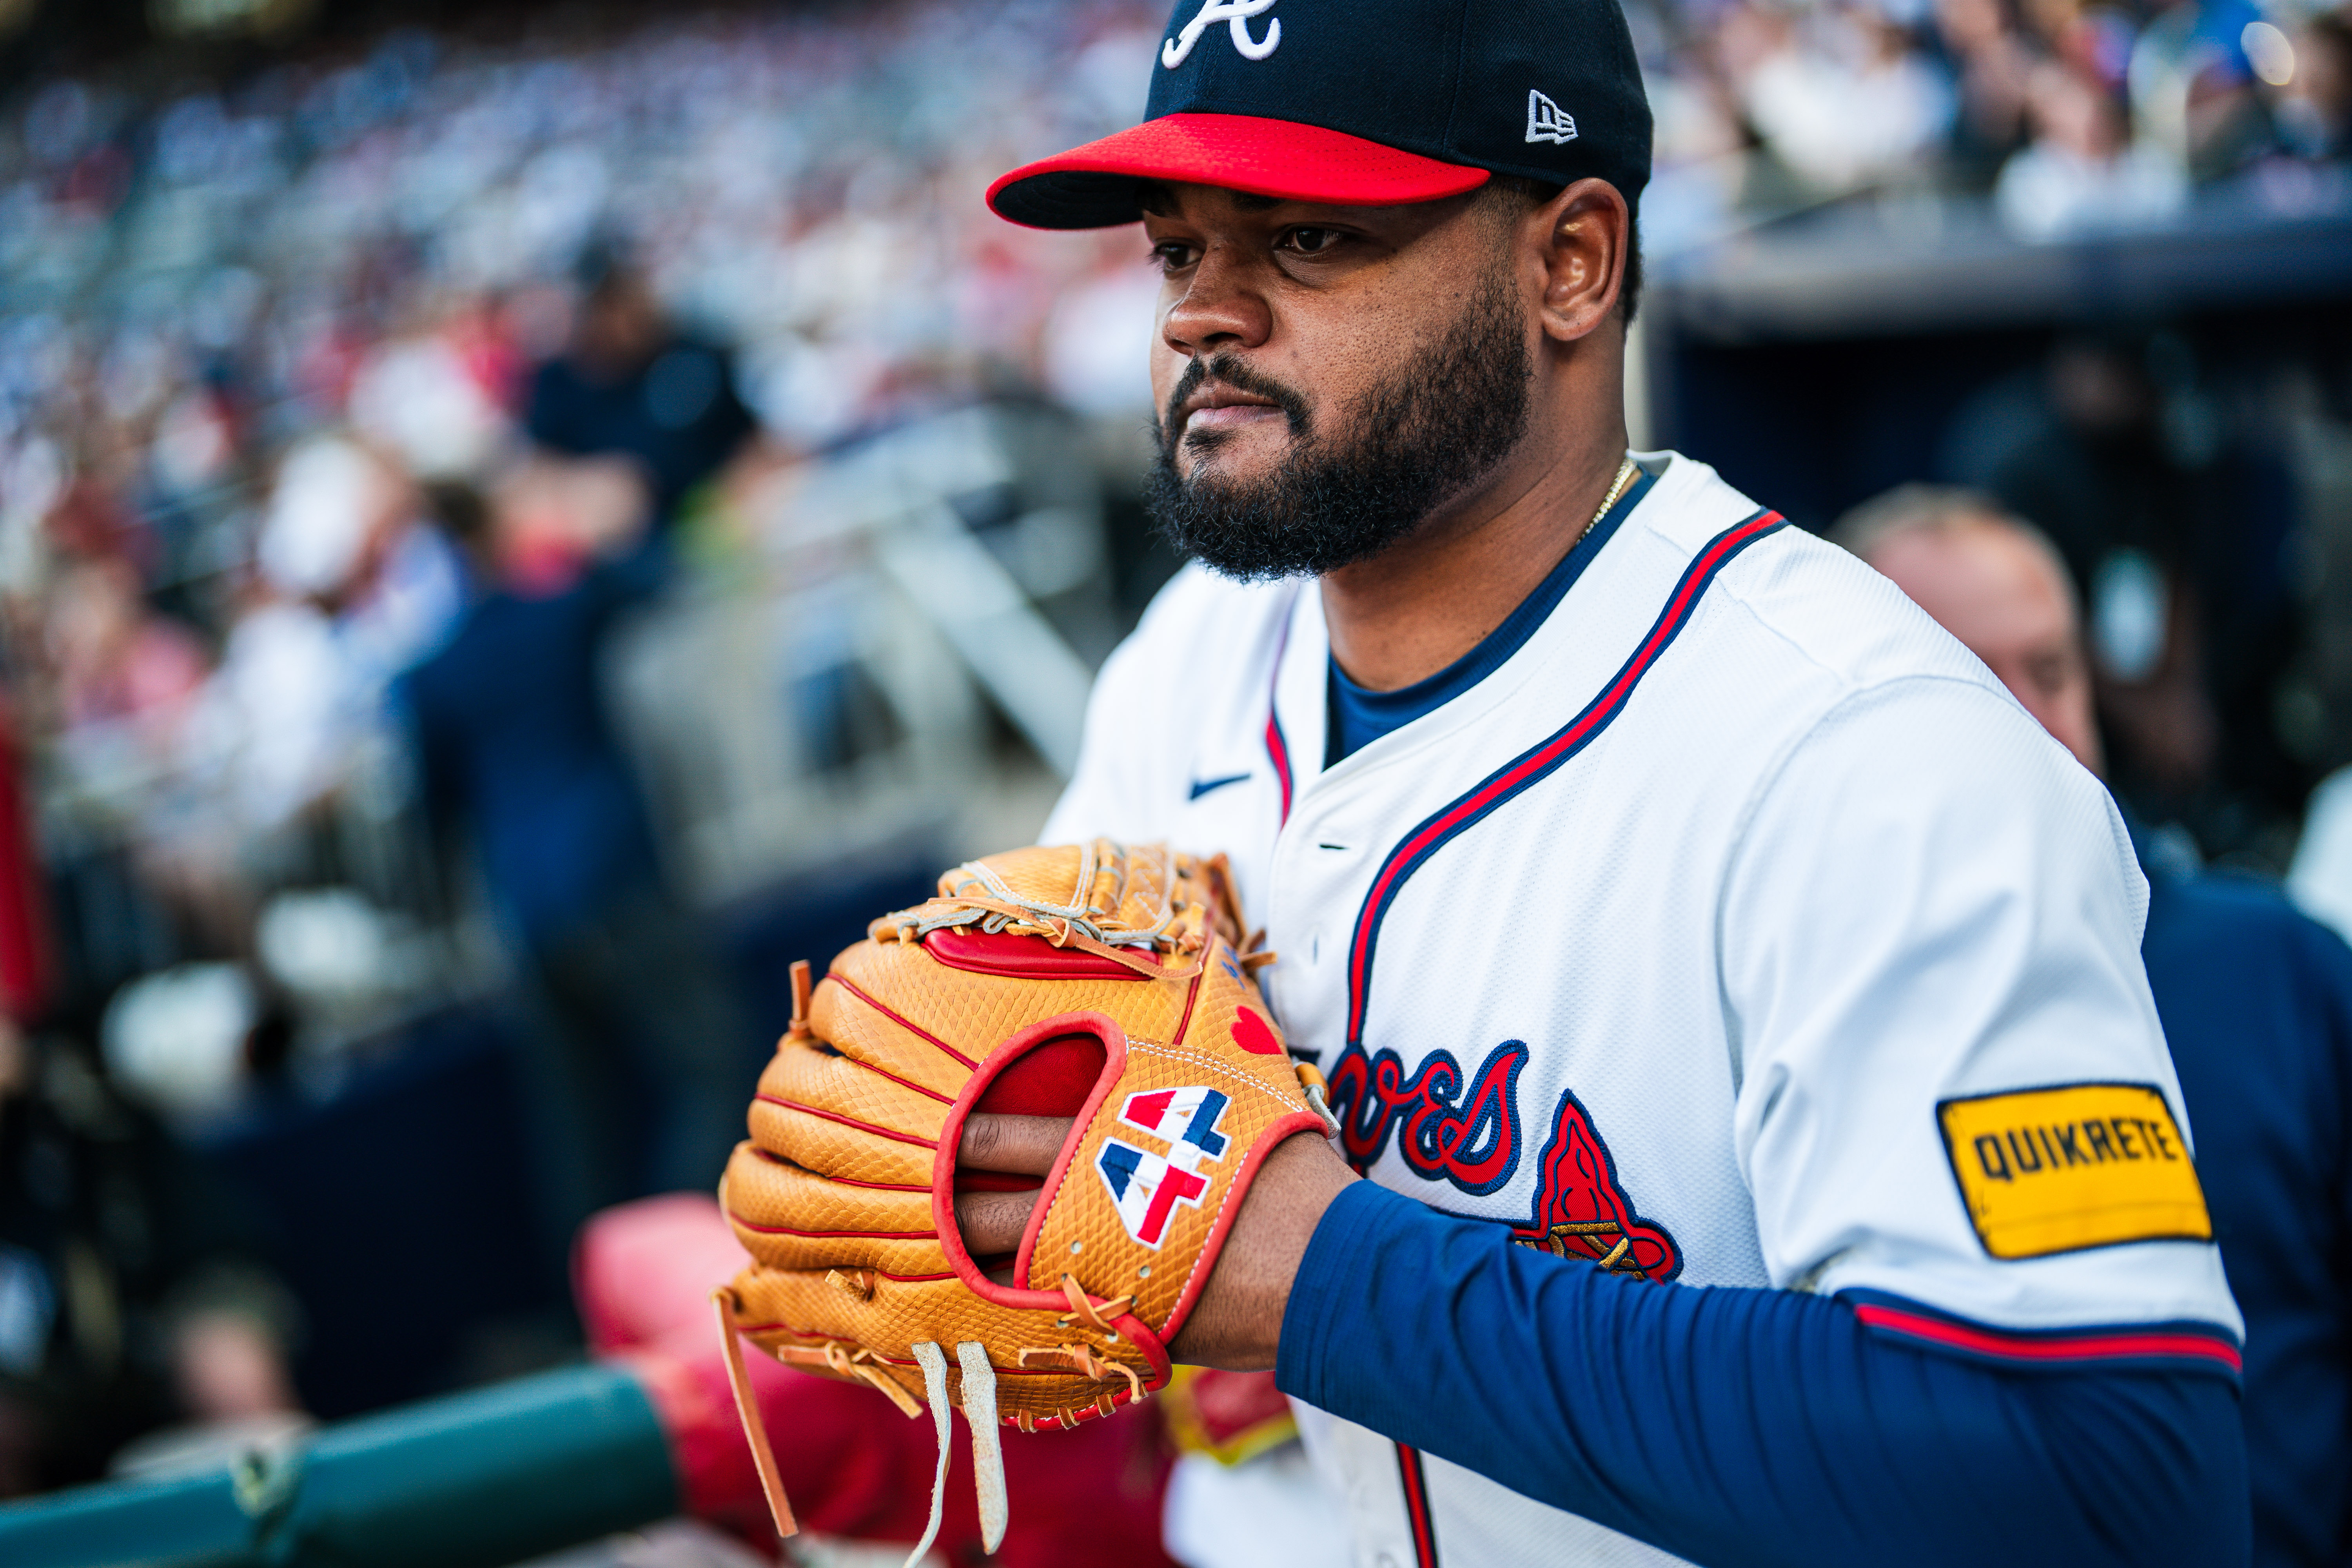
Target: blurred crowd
x=246 y=326
x=2075 y=118
x=245 y=330
x=300 y=369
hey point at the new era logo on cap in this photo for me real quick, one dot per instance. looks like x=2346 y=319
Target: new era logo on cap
x=1546 y=121
x=1146 y=1187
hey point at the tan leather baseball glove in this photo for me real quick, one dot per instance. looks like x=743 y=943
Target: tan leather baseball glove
x=1098 y=982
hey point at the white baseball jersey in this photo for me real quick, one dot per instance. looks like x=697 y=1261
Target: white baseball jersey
x=1733 y=930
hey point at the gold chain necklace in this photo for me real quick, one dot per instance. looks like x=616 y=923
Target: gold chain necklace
x=1625 y=472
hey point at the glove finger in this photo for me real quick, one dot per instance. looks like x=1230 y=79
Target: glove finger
x=807 y=1071
x=792 y=1218
x=911 y=1034
x=832 y=1115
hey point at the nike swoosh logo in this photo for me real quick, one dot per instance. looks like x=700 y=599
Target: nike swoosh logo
x=1202 y=786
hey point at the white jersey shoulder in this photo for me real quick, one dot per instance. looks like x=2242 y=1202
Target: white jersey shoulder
x=1737 y=929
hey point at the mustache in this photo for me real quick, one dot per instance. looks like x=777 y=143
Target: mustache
x=1234 y=373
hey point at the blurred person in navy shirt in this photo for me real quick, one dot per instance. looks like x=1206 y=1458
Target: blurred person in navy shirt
x=2256 y=1003
x=630 y=384
x=516 y=744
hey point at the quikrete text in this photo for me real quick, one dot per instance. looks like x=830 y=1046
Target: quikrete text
x=2094 y=1141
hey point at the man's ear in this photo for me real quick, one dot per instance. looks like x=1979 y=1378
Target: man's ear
x=1584 y=234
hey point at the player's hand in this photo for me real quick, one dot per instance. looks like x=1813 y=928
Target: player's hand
x=1238 y=1319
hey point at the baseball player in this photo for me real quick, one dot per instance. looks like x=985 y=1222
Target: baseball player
x=1667 y=901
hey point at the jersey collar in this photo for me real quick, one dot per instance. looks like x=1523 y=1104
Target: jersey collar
x=1301 y=681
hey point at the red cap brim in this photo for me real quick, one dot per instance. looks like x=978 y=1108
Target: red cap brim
x=1094 y=186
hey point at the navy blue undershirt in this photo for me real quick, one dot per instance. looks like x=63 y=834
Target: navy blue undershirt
x=1750 y=1428
x=1358 y=715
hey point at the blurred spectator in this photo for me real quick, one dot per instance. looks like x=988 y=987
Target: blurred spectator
x=630 y=384
x=351 y=590
x=2082 y=172
x=129 y=1298
x=436 y=396
x=2179 y=529
x=2314 y=74
x=1840 y=94
x=122 y=672
x=1996 y=583
x=2192 y=87
x=1996 y=71
x=131 y=1303
x=2256 y=1003
x=517 y=749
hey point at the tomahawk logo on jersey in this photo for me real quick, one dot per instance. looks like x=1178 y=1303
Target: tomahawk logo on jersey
x=1146 y=1187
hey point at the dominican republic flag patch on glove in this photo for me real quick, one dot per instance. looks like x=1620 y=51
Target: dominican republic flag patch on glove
x=1186 y=1118
x=1146 y=1187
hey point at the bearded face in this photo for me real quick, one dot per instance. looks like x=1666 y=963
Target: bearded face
x=1361 y=472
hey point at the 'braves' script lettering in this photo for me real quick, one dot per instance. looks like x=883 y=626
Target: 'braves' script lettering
x=1466 y=1133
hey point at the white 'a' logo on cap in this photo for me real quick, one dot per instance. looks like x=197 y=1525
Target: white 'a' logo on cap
x=1235 y=15
x=1547 y=122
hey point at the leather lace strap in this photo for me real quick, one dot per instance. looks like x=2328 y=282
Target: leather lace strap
x=755 y=1430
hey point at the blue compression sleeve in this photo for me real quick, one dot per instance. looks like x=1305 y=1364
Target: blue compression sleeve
x=1747 y=1428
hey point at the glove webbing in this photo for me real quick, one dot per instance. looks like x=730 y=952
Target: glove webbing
x=1078 y=923
x=1081 y=909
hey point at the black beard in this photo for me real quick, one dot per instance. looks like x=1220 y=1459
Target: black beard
x=1413 y=443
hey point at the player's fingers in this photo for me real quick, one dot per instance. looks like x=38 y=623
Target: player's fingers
x=1021 y=1145
x=992 y=1222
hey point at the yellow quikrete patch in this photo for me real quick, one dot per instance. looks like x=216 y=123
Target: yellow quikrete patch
x=2077 y=1165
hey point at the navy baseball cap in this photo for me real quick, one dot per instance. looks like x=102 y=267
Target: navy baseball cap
x=1361 y=102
